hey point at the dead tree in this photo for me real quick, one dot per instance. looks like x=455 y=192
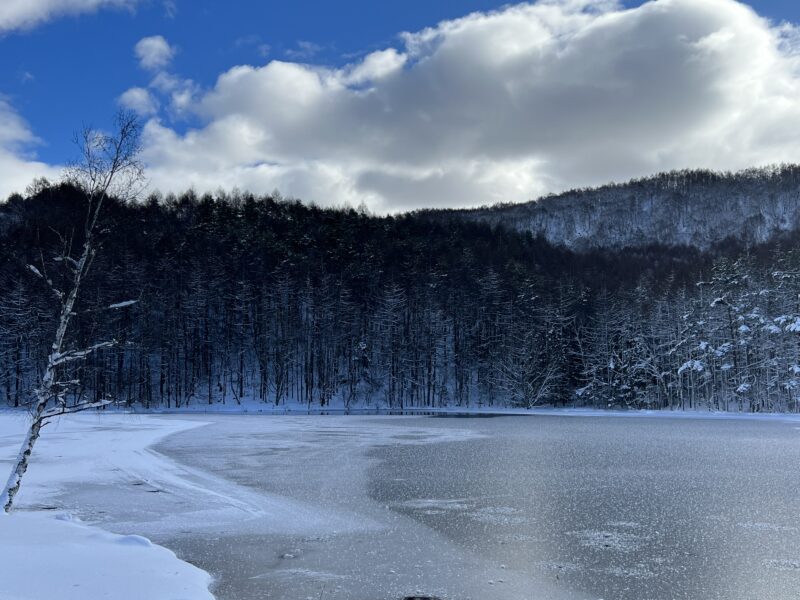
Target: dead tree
x=108 y=166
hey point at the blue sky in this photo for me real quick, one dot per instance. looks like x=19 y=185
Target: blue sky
x=81 y=64
x=70 y=69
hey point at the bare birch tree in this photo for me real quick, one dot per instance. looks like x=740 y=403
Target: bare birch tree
x=108 y=165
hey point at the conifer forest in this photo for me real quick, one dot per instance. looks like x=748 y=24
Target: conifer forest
x=235 y=298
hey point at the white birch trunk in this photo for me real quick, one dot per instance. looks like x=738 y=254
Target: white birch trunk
x=48 y=390
x=15 y=479
x=105 y=159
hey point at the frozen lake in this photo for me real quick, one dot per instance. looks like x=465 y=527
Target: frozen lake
x=509 y=507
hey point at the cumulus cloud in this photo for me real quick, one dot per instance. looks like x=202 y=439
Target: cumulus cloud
x=501 y=106
x=17 y=167
x=154 y=53
x=24 y=14
x=181 y=93
x=139 y=100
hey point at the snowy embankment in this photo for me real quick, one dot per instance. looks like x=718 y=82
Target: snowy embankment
x=45 y=555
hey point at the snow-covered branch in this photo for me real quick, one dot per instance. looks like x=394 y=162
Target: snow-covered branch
x=124 y=304
x=75 y=408
x=60 y=358
x=58 y=293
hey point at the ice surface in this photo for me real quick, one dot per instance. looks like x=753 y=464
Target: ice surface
x=545 y=506
x=627 y=506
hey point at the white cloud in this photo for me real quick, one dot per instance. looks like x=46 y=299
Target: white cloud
x=154 y=53
x=501 y=106
x=375 y=66
x=181 y=93
x=25 y=14
x=17 y=169
x=14 y=131
x=139 y=100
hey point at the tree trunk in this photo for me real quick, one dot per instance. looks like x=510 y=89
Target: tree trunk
x=15 y=479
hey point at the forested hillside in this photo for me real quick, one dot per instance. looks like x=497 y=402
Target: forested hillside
x=681 y=208
x=260 y=299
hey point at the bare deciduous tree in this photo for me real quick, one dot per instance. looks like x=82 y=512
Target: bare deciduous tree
x=108 y=166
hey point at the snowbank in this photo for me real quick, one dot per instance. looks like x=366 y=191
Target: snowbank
x=46 y=556
x=84 y=449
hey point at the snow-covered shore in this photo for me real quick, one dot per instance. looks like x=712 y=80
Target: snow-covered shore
x=296 y=409
x=92 y=464
x=46 y=554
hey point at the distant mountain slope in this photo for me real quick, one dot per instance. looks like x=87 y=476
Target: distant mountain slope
x=680 y=208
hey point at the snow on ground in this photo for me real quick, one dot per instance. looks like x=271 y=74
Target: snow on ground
x=82 y=461
x=85 y=449
x=96 y=465
x=45 y=556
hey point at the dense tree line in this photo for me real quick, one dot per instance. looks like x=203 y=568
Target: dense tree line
x=235 y=298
